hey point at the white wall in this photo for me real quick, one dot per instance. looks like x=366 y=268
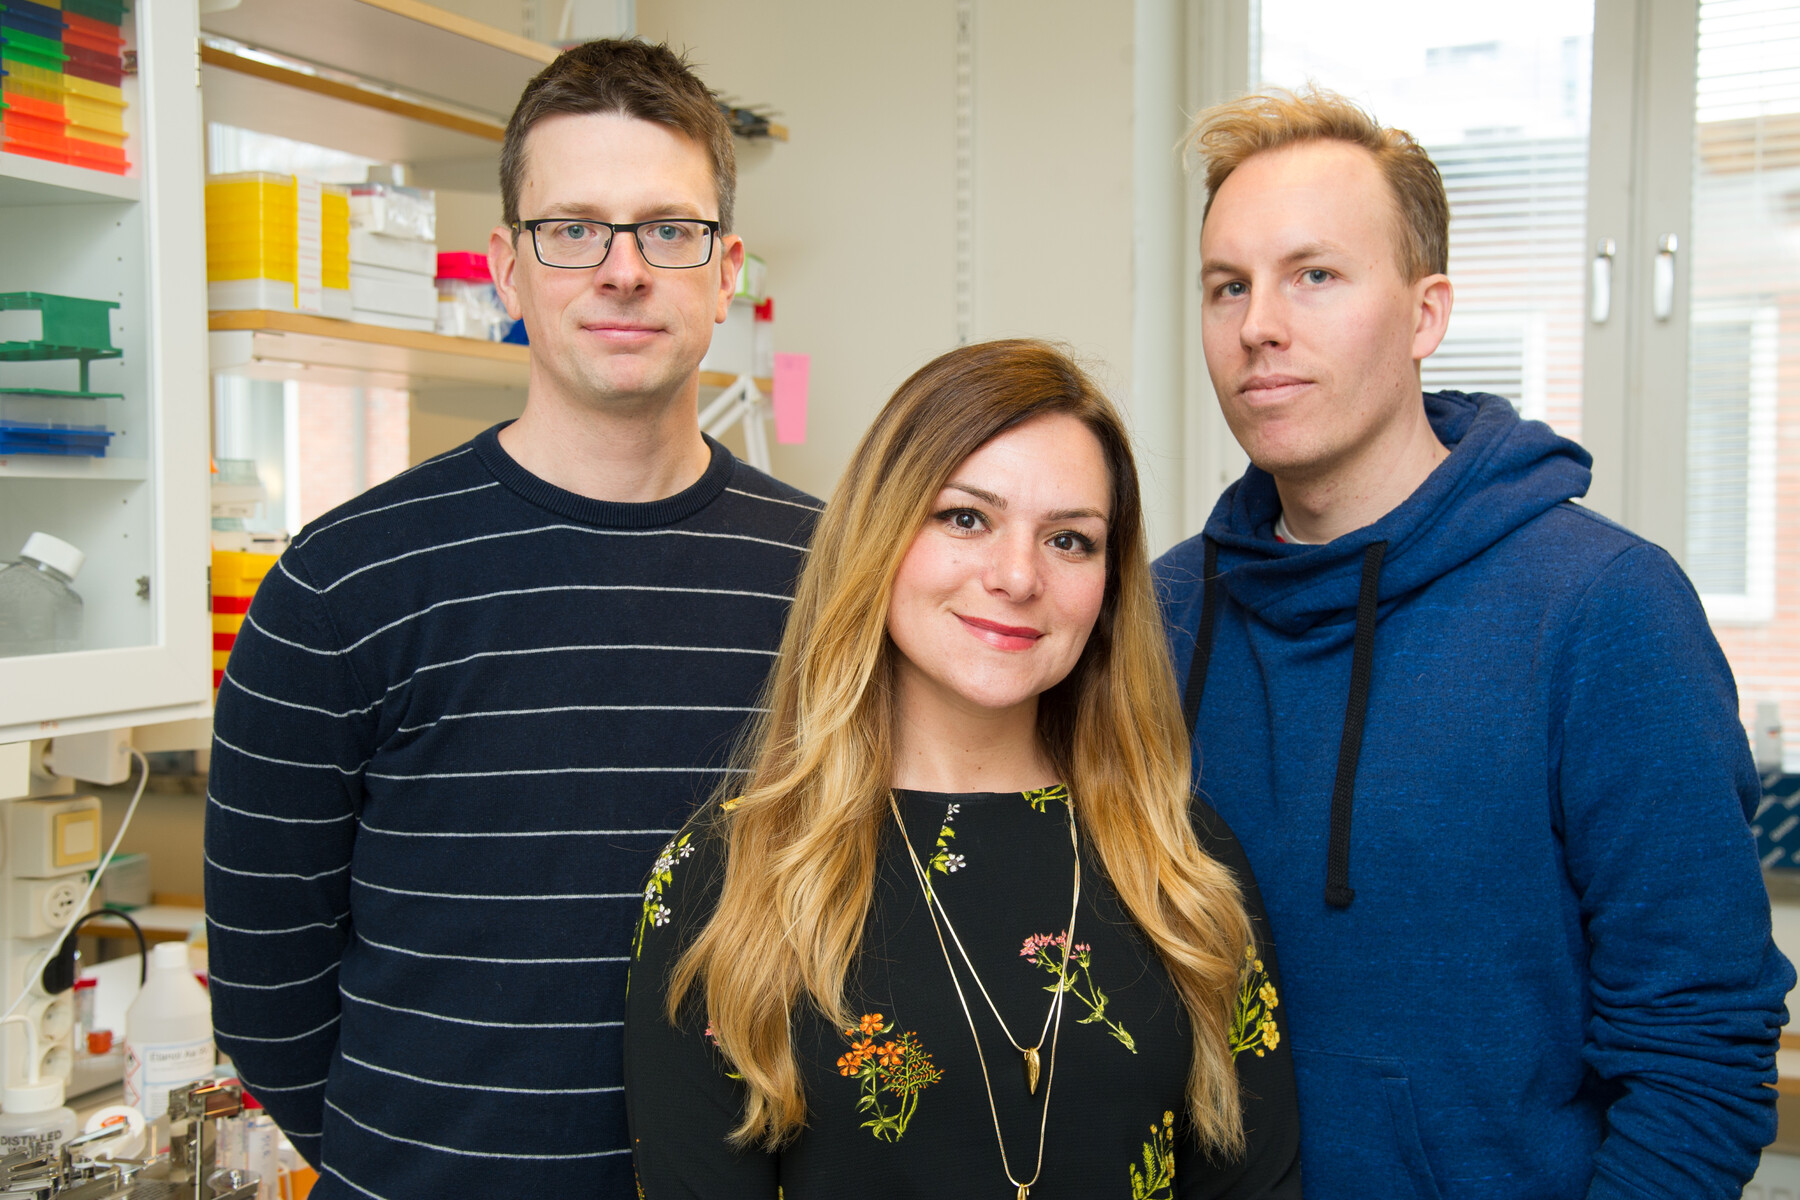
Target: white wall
x=855 y=215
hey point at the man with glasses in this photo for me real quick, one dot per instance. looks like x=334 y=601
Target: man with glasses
x=469 y=707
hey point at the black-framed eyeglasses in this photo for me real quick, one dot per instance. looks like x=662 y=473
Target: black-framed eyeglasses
x=577 y=244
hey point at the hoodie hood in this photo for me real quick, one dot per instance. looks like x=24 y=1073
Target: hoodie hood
x=1501 y=473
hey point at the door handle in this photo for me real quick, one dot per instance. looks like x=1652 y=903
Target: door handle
x=1662 y=277
x=1600 y=305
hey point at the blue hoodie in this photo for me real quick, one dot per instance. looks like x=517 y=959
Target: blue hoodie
x=1547 y=968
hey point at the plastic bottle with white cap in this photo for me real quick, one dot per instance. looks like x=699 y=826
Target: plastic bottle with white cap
x=32 y=1115
x=168 y=1032
x=39 y=612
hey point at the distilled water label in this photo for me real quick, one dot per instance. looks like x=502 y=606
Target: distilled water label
x=40 y=1143
x=152 y=1072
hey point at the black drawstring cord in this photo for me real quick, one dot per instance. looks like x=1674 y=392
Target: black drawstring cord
x=1203 y=638
x=1338 y=892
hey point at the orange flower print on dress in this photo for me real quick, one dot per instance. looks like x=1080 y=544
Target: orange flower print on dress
x=899 y=1067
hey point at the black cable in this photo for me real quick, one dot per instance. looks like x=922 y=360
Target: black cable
x=59 y=972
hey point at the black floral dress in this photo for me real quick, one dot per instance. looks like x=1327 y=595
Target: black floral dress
x=895 y=1103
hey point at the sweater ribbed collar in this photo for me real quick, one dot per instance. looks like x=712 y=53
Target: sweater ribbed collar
x=611 y=514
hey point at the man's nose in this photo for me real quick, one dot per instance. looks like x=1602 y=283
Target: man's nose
x=1265 y=318
x=624 y=268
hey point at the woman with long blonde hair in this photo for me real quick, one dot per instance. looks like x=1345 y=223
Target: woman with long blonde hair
x=960 y=929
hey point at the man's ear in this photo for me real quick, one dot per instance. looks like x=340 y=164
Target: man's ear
x=503 y=256
x=1432 y=300
x=731 y=261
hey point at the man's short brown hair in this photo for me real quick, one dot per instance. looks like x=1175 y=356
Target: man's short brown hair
x=1226 y=134
x=631 y=78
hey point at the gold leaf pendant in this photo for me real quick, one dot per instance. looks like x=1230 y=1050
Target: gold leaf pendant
x=1031 y=1072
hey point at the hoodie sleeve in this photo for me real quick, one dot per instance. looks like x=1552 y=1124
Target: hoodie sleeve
x=1655 y=784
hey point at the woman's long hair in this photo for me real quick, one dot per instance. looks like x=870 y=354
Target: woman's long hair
x=807 y=823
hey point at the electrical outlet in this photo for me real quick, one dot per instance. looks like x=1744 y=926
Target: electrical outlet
x=59 y=902
x=42 y=907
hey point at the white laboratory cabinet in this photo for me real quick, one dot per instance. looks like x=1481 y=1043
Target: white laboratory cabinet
x=140 y=513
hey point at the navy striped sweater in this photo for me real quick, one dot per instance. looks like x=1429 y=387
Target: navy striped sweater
x=464 y=713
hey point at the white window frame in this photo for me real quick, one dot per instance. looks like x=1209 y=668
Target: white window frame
x=1756 y=603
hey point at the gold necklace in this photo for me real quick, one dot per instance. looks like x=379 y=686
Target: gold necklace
x=935 y=908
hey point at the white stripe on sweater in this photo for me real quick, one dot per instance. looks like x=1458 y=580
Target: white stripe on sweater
x=217 y=865
x=249 y=691
x=536 y=591
x=480 y=1087
x=244 y=1037
x=213 y=978
x=469 y=658
x=513 y=533
x=528 y=1155
x=244 y=812
x=347 y=994
x=602 y=958
x=568 y=708
x=218 y=924
x=814 y=508
x=287 y=762
x=502 y=896
x=521 y=771
x=480 y=487
x=343 y=1178
x=517 y=833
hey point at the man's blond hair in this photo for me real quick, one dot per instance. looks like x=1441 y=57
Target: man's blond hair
x=1227 y=134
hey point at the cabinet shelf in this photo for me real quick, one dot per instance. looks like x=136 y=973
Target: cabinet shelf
x=279 y=345
x=410 y=45
x=254 y=93
x=25 y=180
x=49 y=466
x=299 y=346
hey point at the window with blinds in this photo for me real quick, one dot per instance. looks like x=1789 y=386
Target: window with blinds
x=1745 y=284
x=1500 y=98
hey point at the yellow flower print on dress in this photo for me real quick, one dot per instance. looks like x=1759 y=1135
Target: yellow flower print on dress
x=1157 y=1180
x=1253 y=1021
x=897 y=1066
x=1038 y=798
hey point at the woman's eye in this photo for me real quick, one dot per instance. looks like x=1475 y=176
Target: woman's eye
x=964 y=519
x=1072 y=543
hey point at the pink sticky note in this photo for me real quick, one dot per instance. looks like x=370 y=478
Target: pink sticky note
x=791 y=374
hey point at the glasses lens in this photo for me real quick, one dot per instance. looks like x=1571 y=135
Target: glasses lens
x=572 y=243
x=675 y=243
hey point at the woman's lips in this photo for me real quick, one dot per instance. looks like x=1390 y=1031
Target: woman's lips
x=1002 y=637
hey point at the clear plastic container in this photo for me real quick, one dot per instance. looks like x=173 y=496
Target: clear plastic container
x=168 y=1032
x=40 y=613
x=468 y=306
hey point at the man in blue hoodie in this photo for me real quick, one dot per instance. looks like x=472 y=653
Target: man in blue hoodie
x=1479 y=742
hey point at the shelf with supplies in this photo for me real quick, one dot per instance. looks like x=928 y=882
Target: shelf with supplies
x=392 y=80
x=282 y=345
x=27 y=181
